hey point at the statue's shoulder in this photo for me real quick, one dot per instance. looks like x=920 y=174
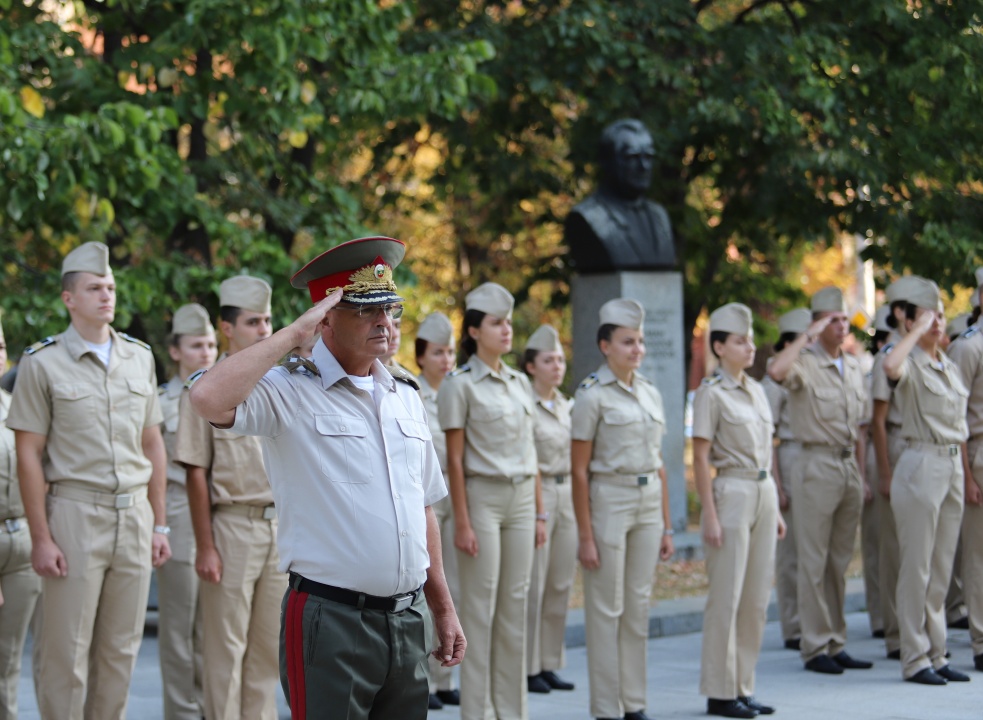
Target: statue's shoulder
x=592 y=208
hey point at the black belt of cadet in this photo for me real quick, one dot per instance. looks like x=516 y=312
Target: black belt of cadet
x=394 y=604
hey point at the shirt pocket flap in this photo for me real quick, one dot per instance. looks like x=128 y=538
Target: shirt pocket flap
x=140 y=387
x=70 y=391
x=414 y=428
x=340 y=425
x=617 y=417
x=487 y=413
x=936 y=386
x=827 y=394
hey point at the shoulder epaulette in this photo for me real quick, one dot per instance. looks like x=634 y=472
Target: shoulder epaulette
x=130 y=338
x=461 y=370
x=712 y=380
x=161 y=389
x=970 y=331
x=403 y=376
x=193 y=378
x=887 y=348
x=40 y=345
x=589 y=381
x=295 y=362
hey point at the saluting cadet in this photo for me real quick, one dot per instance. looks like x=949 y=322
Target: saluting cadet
x=732 y=430
x=826 y=396
x=555 y=562
x=790 y=326
x=19 y=584
x=435 y=354
x=235 y=525
x=192 y=347
x=622 y=509
x=87 y=424
x=927 y=485
x=486 y=410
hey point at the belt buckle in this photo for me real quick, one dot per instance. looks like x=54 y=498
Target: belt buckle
x=124 y=501
x=953 y=449
x=643 y=479
x=269 y=512
x=762 y=474
x=12 y=524
x=401 y=602
x=559 y=479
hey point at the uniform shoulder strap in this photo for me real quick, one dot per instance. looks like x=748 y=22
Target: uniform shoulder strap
x=589 y=381
x=970 y=331
x=711 y=380
x=294 y=363
x=193 y=378
x=461 y=370
x=40 y=345
x=399 y=374
x=130 y=338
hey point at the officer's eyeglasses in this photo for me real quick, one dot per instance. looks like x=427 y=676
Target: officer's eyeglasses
x=370 y=311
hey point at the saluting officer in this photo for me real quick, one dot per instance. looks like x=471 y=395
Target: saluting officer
x=87 y=421
x=826 y=397
x=235 y=525
x=790 y=326
x=622 y=508
x=192 y=348
x=927 y=485
x=555 y=562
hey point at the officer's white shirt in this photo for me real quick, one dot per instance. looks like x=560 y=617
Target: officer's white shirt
x=350 y=490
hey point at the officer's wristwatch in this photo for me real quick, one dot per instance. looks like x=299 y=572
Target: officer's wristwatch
x=544 y=516
x=669 y=532
x=162 y=529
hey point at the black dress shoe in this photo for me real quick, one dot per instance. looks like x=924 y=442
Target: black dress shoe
x=449 y=697
x=894 y=655
x=927 y=677
x=435 y=703
x=879 y=634
x=756 y=706
x=555 y=681
x=978 y=661
x=824 y=664
x=729 y=708
x=849 y=663
x=793 y=644
x=536 y=684
x=952 y=675
x=960 y=624
x=637 y=715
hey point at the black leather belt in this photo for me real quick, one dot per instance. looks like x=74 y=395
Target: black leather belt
x=394 y=604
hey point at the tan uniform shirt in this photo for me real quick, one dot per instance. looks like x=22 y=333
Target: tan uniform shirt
x=625 y=424
x=552 y=435
x=736 y=418
x=429 y=397
x=881 y=389
x=10 y=502
x=825 y=408
x=495 y=409
x=93 y=417
x=778 y=402
x=934 y=398
x=169 y=395
x=967 y=354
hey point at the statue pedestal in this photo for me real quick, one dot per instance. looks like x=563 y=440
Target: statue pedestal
x=661 y=294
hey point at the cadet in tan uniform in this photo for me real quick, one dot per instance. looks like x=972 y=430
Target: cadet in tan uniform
x=927 y=485
x=826 y=396
x=20 y=586
x=192 y=348
x=435 y=354
x=486 y=410
x=622 y=508
x=87 y=424
x=732 y=430
x=885 y=431
x=554 y=563
x=790 y=326
x=235 y=528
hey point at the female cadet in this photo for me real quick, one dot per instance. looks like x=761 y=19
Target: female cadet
x=555 y=562
x=192 y=348
x=486 y=411
x=435 y=350
x=622 y=509
x=927 y=485
x=786 y=455
x=20 y=586
x=732 y=430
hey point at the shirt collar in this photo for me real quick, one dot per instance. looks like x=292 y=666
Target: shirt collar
x=174 y=387
x=920 y=357
x=824 y=357
x=479 y=369
x=729 y=381
x=77 y=345
x=332 y=371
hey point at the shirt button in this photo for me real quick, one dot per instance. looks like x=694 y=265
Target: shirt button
x=344 y=428
x=403 y=533
x=397 y=496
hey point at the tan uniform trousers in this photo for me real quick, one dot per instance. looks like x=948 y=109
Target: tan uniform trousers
x=972 y=559
x=786 y=556
x=21 y=588
x=889 y=559
x=553 y=567
x=442 y=678
x=955 y=600
x=627 y=522
x=494 y=592
x=828 y=502
x=870 y=540
x=241 y=620
x=93 y=618
x=179 y=627
x=740 y=573
x=927 y=498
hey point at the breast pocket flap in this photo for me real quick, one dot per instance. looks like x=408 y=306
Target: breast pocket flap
x=414 y=428
x=70 y=391
x=340 y=425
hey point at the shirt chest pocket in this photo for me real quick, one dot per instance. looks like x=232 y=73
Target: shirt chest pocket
x=415 y=436
x=343 y=448
x=939 y=399
x=74 y=405
x=138 y=396
x=828 y=403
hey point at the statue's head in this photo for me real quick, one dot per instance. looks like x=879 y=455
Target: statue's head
x=625 y=156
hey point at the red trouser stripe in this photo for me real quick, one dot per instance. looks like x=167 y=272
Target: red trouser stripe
x=294 y=638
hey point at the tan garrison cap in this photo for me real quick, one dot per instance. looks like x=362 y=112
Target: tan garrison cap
x=246 y=292
x=795 y=321
x=545 y=339
x=92 y=257
x=880 y=319
x=958 y=325
x=898 y=290
x=829 y=299
x=191 y=319
x=362 y=269
x=622 y=312
x=492 y=299
x=925 y=294
x=731 y=318
x=437 y=329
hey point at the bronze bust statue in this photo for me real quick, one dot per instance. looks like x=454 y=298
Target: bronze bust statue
x=617 y=228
